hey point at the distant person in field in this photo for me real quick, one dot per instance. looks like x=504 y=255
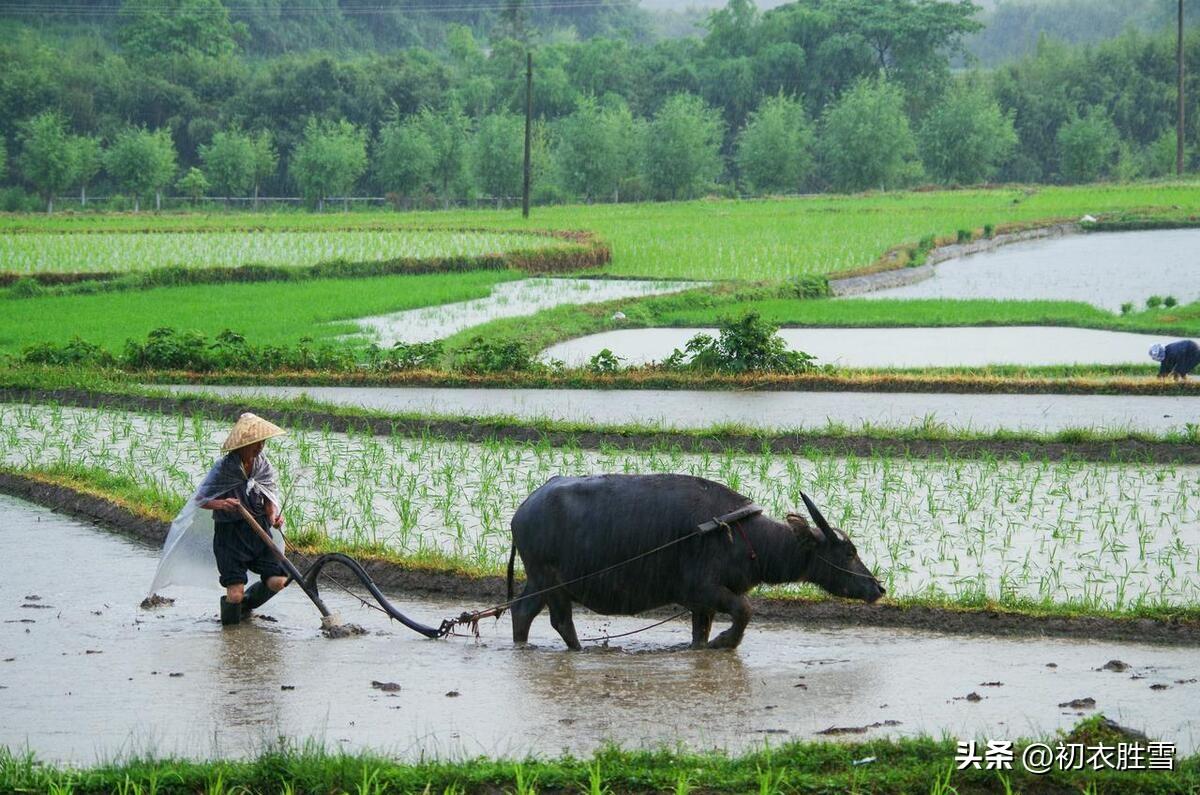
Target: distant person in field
x=1177 y=359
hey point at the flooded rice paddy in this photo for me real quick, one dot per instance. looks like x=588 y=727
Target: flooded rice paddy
x=1060 y=531
x=964 y=346
x=508 y=299
x=189 y=688
x=1103 y=269
x=778 y=411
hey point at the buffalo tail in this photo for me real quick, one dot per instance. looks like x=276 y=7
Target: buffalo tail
x=512 y=557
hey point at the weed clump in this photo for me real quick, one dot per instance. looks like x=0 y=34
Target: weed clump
x=746 y=345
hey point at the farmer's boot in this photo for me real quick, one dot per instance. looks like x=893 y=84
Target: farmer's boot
x=256 y=596
x=231 y=613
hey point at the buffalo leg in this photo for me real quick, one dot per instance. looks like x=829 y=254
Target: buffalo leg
x=702 y=619
x=560 y=619
x=524 y=611
x=738 y=608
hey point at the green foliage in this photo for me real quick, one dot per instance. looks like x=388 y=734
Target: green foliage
x=1087 y=146
x=193 y=184
x=447 y=134
x=598 y=148
x=744 y=345
x=406 y=356
x=604 y=362
x=1170 y=301
x=88 y=158
x=229 y=162
x=1154 y=302
x=169 y=349
x=141 y=161
x=404 y=157
x=966 y=136
x=498 y=155
x=329 y=160
x=480 y=355
x=152 y=30
x=75 y=353
x=47 y=158
x=774 y=149
x=866 y=141
x=3 y=158
x=683 y=148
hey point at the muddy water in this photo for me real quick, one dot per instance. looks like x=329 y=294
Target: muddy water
x=508 y=299
x=969 y=346
x=1104 y=269
x=770 y=410
x=87 y=675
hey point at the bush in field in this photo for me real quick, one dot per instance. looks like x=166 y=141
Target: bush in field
x=866 y=141
x=1154 y=302
x=229 y=162
x=966 y=137
x=604 y=362
x=808 y=287
x=746 y=345
x=774 y=149
x=1169 y=301
x=406 y=356
x=193 y=184
x=1087 y=146
x=76 y=353
x=683 y=148
x=481 y=355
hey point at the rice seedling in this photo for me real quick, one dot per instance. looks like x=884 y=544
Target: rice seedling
x=1063 y=532
x=122 y=252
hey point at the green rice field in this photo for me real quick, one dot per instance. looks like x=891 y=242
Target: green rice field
x=1058 y=533
x=116 y=251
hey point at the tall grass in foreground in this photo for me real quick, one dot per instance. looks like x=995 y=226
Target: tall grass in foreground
x=1094 y=536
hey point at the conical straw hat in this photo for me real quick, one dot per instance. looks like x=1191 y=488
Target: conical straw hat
x=250 y=428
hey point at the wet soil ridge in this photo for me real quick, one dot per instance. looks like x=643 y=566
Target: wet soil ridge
x=1117 y=451
x=483 y=591
x=587 y=251
x=896 y=274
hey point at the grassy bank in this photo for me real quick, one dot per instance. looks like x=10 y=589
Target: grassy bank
x=901 y=766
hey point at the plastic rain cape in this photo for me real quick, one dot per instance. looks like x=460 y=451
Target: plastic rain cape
x=187 y=556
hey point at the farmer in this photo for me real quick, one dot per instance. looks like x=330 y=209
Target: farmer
x=244 y=476
x=1178 y=359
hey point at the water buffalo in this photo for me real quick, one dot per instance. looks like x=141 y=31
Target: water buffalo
x=573 y=527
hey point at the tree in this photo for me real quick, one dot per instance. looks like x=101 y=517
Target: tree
x=229 y=162
x=154 y=28
x=3 y=158
x=774 y=149
x=866 y=141
x=266 y=159
x=597 y=149
x=329 y=160
x=141 y=162
x=88 y=159
x=447 y=132
x=47 y=157
x=966 y=136
x=683 y=154
x=498 y=155
x=193 y=184
x=1087 y=146
x=404 y=157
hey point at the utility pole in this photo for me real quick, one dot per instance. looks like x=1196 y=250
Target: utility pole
x=529 y=130
x=1179 y=108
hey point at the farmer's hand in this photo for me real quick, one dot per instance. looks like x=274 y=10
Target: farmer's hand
x=226 y=504
x=278 y=521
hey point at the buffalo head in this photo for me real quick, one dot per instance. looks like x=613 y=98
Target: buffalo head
x=834 y=563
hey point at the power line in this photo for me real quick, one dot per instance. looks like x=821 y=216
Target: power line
x=64 y=9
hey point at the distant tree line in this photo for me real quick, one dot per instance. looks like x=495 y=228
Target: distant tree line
x=816 y=95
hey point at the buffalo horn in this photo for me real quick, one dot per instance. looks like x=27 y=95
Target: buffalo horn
x=818 y=518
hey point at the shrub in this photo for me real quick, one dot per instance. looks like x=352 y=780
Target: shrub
x=989 y=231
x=809 y=287
x=748 y=344
x=965 y=236
x=1169 y=301
x=27 y=287
x=406 y=356
x=1127 y=308
x=76 y=353
x=604 y=362
x=1154 y=302
x=480 y=355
